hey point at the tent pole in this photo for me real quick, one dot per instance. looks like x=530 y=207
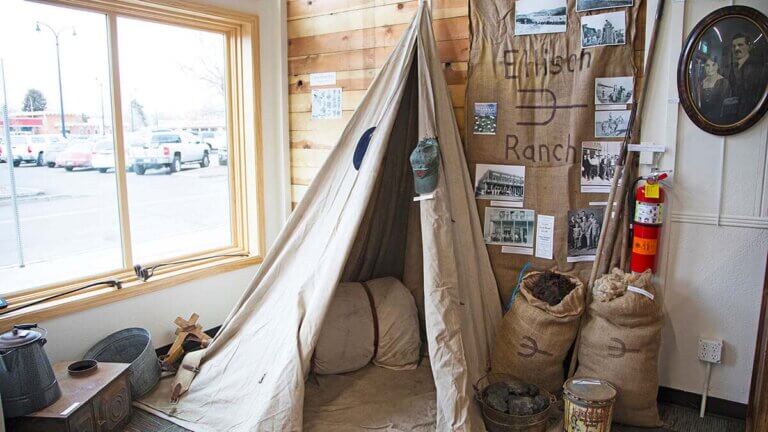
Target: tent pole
x=617 y=195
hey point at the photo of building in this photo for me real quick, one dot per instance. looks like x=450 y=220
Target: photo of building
x=510 y=227
x=500 y=182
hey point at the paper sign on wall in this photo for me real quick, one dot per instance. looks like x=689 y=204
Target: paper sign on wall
x=322 y=79
x=326 y=103
x=647 y=147
x=545 y=228
x=516 y=250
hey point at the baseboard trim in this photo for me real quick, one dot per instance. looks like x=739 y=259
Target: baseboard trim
x=668 y=395
x=715 y=405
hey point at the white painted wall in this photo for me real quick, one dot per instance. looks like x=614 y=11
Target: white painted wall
x=714 y=251
x=212 y=298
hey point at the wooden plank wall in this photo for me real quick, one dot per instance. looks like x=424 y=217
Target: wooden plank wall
x=353 y=38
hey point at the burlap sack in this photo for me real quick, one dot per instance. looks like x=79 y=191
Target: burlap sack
x=620 y=343
x=534 y=337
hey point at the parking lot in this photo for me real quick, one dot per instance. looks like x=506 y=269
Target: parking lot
x=65 y=214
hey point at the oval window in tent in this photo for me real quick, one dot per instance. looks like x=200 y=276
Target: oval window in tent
x=361 y=148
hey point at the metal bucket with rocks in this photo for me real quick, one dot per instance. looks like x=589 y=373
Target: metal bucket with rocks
x=510 y=405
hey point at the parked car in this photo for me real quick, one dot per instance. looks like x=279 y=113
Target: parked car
x=77 y=155
x=32 y=148
x=53 y=151
x=103 y=157
x=170 y=149
x=215 y=140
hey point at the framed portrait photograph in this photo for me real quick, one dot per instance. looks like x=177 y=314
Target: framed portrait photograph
x=722 y=74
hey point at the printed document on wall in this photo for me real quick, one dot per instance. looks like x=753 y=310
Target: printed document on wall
x=326 y=104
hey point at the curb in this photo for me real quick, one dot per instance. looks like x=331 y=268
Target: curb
x=35 y=198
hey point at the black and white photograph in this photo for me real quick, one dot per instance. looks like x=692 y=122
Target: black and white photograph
x=584 y=227
x=598 y=166
x=500 y=182
x=588 y=5
x=611 y=124
x=540 y=16
x=614 y=90
x=509 y=227
x=603 y=29
x=723 y=74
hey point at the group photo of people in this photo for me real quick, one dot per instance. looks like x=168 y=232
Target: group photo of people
x=584 y=227
x=598 y=165
x=729 y=79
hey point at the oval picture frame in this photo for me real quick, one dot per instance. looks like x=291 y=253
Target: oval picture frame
x=722 y=72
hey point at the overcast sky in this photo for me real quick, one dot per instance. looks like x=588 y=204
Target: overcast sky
x=161 y=66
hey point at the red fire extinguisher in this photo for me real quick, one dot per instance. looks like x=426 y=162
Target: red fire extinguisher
x=646 y=222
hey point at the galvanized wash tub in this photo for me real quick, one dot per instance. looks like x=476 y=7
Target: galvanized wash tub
x=134 y=346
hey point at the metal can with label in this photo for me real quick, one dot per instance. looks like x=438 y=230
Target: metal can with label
x=588 y=405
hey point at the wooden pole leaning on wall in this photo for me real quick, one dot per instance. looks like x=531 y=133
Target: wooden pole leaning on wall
x=613 y=215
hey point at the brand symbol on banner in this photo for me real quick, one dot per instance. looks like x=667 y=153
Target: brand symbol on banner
x=620 y=349
x=552 y=107
x=530 y=348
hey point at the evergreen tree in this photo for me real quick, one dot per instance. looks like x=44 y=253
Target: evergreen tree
x=34 y=101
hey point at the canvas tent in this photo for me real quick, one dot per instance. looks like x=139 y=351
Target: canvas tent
x=358 y=225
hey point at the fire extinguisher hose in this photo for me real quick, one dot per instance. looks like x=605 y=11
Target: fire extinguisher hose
x=631 y=208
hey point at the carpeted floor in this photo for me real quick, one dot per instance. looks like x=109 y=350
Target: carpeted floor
x=676 y=418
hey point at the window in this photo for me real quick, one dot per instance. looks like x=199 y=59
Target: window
x=133 y=129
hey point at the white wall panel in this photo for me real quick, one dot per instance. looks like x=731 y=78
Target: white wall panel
x=711 y=276
x=712 y=290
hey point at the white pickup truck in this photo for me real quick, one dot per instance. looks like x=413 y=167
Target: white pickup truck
x=32 y=148
x=170 y=149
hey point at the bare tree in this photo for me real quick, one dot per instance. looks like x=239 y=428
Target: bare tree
x=207 y=68
x=137 y=111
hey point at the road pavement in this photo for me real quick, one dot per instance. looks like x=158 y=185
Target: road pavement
x=73 y=229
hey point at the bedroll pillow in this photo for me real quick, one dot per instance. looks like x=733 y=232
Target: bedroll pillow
x=349 y=340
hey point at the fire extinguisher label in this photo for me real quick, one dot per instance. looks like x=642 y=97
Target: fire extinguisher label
x=648 y=213
x=644 y=246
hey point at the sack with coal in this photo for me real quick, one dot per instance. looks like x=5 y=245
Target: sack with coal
x=535 y=335
x=620 y=344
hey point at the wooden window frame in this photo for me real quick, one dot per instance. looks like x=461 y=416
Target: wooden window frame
x=243 y=96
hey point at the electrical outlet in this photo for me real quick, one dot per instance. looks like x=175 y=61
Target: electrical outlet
x=710 y=350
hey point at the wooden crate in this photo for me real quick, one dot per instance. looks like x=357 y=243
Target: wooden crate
x=99 y=402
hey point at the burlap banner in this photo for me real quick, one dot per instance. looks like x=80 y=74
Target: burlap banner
x=544 y=88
